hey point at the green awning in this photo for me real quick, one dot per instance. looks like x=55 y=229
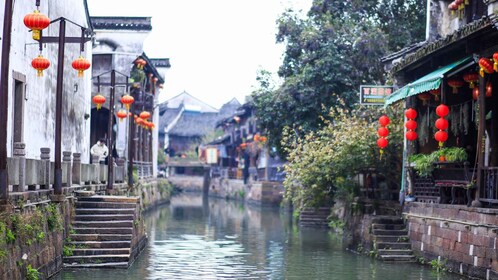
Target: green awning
x=428 y=82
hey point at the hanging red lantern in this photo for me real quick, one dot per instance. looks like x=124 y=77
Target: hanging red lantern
x=145 y=115
x=243 y=145
x=411 y=135
x=411 y=113
x=139 y=121
x=425 y=97
x=382 y=132
x=436 y=93
x=471 y=78
x=455 y=84
x=256 y=138
x=495 y=60
x=453 y=7
x=121 y=114
x=384 y=120
x=441 y=136
x=441 y=124
x=489 y=89
x=81 y=64
x=411 y=125
x=442 y=110
x=262 y=139
x=98 y=100
x=485 y=66
x=382 y=143
x=127 y=100
x=40 y=63
x=475 y=93
x=36 y=21
x=155 y=79
x=150 y=125
x=140 y=63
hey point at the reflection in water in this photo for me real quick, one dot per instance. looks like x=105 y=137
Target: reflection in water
x=196 y=238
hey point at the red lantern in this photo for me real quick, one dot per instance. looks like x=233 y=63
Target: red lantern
x=155 y=79
x=140 y=63
x=411 y=125
x=150 y=125
x=382 y=143
x=485 y=66
x=36 y=21
x=441 y=124
x=145 y=115
x=424 y=97
x=81 y=64
x=411 y=135
x=475 y=93
x=441 y=136
x=411 y=114
x=243 y=145
x=495 y=60
x=382 y=132
x=489 y=89
x=139 y=121
x=442 y=110
x=262 y=139
x=121 y=114
x=40 y=63
x=98 y=100
x=455 y=84
x=471 y=78
x=127 y=100
x=436 y=93
x=256 y=138
x=384 y=120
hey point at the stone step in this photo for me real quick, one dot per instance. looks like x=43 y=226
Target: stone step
x=84 y=193
x=97 y=265
x=398 y=258
x=105 y=251
x=98 y=204
x=97 y=259
x=108 y=211
x=391 y=238
x=101 y=244
x=389 y=226
x=387 y=220
x=312 y=219
x=116 y=230
x=101 y=237
x=394 y=245
x=390 y=232
x=103 y=224
x=109 y=198
x=113 y=217
x=396 y=252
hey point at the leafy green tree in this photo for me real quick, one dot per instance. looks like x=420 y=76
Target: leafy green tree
x=323 y=165
x=329 y=54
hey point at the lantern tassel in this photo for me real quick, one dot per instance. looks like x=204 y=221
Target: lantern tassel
x=471 y=85
x=127 y=107
x=495 y=66
x=440 y=144
x=99 y=106
x=40 y=73
x=481 y=72
x=36 y=34
x=80 y=73
x=381 y=153
x=467 y=2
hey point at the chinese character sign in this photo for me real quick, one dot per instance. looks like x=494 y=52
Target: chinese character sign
x=374 y=95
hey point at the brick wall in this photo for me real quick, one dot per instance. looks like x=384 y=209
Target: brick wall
x=464 y=238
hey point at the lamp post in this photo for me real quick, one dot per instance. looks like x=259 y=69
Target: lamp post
x=61 y=40
x=4 y=99
x=110 y=140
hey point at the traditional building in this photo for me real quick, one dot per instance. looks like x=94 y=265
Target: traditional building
x=118 y=46
x=449 y=81
x=185 y=120
x=32 y=99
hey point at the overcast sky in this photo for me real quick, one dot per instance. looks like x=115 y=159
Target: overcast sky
x=215 y=46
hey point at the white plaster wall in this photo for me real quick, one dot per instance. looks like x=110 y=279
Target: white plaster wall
x=39 y=114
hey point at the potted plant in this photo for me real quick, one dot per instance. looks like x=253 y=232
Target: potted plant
x=424 y=163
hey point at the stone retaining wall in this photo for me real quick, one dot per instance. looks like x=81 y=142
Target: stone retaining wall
x=463 y=238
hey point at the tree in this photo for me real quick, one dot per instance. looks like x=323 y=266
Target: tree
x=329 y=54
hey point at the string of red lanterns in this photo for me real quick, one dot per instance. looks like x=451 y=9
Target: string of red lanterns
x=411 y=124
x=383 y=132
x=442 y=124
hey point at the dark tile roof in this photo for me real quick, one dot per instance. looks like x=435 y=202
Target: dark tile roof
x=122 y=23
x=166 y=117
x=193 y=124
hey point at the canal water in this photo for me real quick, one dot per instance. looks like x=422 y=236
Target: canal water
x=196 y=238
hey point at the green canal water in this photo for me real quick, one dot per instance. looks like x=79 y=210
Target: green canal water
x=196 y=238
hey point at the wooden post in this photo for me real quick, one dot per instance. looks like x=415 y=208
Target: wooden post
x=480 y=140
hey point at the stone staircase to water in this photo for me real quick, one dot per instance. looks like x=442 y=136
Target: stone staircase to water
x=391 y=239
x=311 y=217
x=107 y=232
